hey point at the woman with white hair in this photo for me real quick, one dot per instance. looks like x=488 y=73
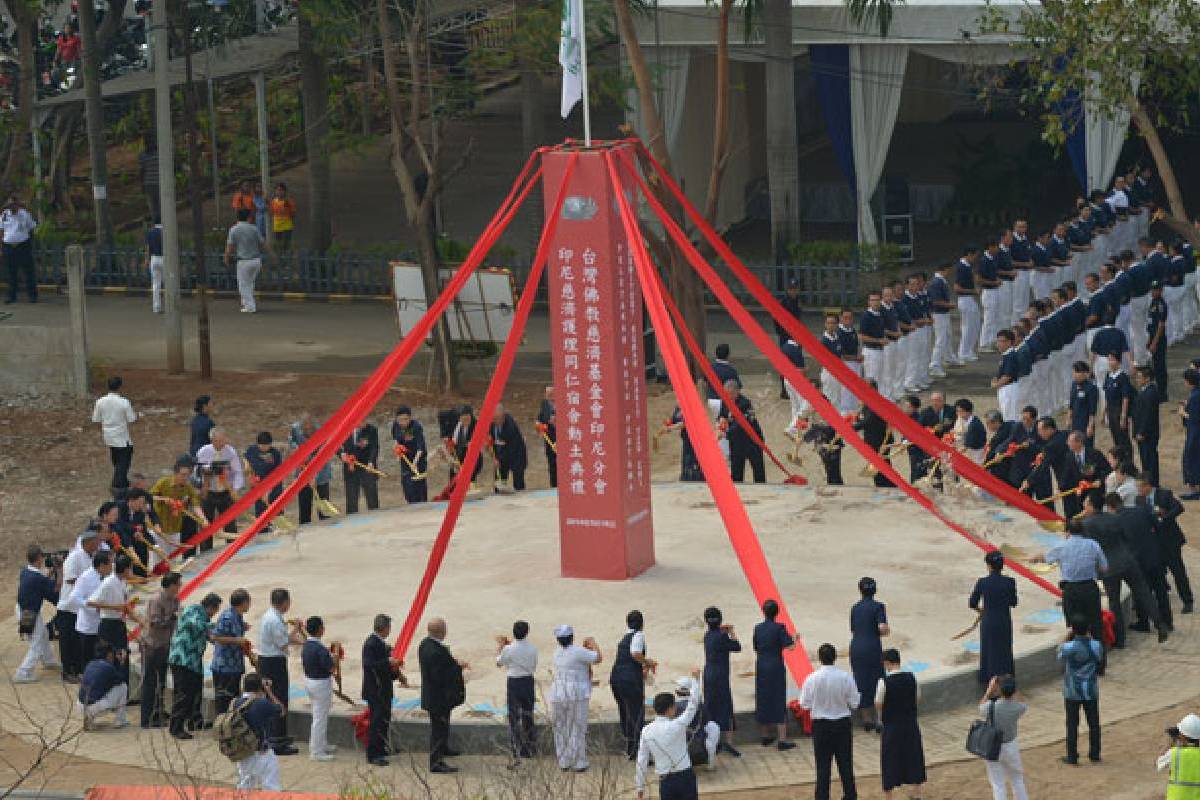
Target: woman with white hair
x=570 y=691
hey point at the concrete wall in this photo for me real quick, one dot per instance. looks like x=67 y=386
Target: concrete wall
x=35 y=360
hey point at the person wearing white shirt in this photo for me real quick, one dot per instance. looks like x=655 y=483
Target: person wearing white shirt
x=221 y=474
x=111 y=599
x=666 y=740
x=114 y=413
x=87 y=616
x=17 y=225
x=570 y=692
x=829 y=695
x=275 y=635
x=77 y=562
x=519 y=658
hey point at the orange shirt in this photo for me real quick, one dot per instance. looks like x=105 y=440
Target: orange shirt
x=243 y=200
x=282 y=213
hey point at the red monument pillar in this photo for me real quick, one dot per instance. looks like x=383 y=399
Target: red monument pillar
x=605 y=527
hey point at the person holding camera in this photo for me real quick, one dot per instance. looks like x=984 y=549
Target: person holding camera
x=1001 y=703
x=221 y=475
x=1182 y=760
x=35 y=589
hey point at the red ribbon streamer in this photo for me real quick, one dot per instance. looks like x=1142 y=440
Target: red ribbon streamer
x=737 y=523
x=483 y=423
x=794 y=376
x=895 y=417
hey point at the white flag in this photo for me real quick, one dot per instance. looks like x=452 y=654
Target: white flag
x=570 y=49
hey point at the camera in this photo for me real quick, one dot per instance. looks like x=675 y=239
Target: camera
x=55 y=559
x=1173 y=732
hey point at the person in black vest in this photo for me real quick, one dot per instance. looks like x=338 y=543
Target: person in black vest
x=409 y=436
x=360 y=450
x=719 y=642
x=901 y=756
x=1144 y=420
x=442 y=690
x=741 y=447
x=1109 y=533
x=725 y=373
x=509 y=448
x=628 y=681
x=35 y=588
x=1165 y=508
x=548 y=420
x=379 y=670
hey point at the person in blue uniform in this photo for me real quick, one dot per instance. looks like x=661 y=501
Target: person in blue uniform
x=771 y=638
x=974 y=438
x=263 y=458
x=547 y=417
x=725 y=372
x=968 y=304
x=1143 y=420
x=742 y=447
x=868 y=624
x=873 y=336
x=719 y=642
x=689 y=465
x=918 y=460
x=1085 y=402
x=791 y=304
x=1008 y=372
x=1189 y=413
x=509 y=448
x=1157 y=322
x=901 y=754
x=993 y=598
x=408 y=433
x=1118 y=397
x=628 y=681
x=874 y=430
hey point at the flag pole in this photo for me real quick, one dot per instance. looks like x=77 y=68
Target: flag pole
x=583 y=70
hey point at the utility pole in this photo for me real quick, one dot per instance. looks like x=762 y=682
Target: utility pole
x=264 y=154
x=196 y=196
x=173 y=314
x=94 y=113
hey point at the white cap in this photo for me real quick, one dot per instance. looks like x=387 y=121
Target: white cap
x=683 y=684
x=1189 y=726
x=563 y=630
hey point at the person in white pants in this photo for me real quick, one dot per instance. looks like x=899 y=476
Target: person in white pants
x=895 y=351
x=154 y=262
x=34 y=590
x=1021 y=251
x=260 y=770
x=1041 y=277
x=968 y=305
x=319 y=668
x=570 y=692
x=989 y=296
x=1008 y=277
x=1173 y=294
x=1001 y=707
x=940 y=306
x=872 y=332
x=833 y=343
x=247 y=246
x=852 y=356
x=103 y=688
x=799 y=403
x=1005 y=382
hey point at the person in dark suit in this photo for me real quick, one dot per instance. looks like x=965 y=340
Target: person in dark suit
x=791 y=304
x=409 y=436
x=442 y=690
x=937 y=416
x=460 y=438
x=379 y=670
x=1029 y=444
x=1081 y=463
x=1144 y=420
x=1138 y=528
x=548 y=418
x=1052 y=459
x=874 y=430
x=509 y=448
x=1000 y=434
x=742 y=447
x=725 y=372
x=361 y=448
x=1165 y=509
x=974 y=438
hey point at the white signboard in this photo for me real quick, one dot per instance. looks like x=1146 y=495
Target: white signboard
x=482 y=312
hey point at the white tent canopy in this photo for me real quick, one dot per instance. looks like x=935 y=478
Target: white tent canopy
x=680 y=46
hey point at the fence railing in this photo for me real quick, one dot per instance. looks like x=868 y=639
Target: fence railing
x=364 y=275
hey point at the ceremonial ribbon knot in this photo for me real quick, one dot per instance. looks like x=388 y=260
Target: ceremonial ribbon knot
x=400 y=450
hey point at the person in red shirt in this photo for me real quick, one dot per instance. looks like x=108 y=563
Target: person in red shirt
x=69 y=47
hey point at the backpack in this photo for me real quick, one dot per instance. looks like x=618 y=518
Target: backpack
x=236 y=740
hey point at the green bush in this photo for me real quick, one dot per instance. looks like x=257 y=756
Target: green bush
x=823 y=253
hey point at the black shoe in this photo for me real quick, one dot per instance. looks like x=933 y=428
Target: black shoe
x=285 y=750
x=377 y=762
x=442 y=768
x=1141 y=627
x=9 y=301
x=730 y=749
x=1187 y=608
x=452 y=753
x=1069 y=761
x=1118 y=645
x=182 y=735
x=1094 y=759
x=786 y=745
x=1163 y=635
x=767 y=741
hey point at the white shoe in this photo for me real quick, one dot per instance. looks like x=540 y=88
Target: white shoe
x=245 y=310
x=19 y=678
x=938 y=375
x=322 y=757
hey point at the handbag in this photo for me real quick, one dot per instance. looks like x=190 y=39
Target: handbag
x=984 y=738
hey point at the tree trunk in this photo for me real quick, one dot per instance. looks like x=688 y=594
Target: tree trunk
x=368 y=65
x=533 y=129
x=314 y=89
x=721 y=117
x=94 y=115
x=20 y=158
x=1178 y=220
x=684 y=283
x=443 y=354
x=783 y=169
x=191 y=103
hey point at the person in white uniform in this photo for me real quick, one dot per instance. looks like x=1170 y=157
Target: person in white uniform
x=666 y=741
x=968 y=305
x=570 y=693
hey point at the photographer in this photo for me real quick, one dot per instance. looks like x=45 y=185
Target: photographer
x=36 y=588
x=1182 y=759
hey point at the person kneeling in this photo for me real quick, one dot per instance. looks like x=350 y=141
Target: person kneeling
x=258 y=706
x=704 y=735
x=103 y=687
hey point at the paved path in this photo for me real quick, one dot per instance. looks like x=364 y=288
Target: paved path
x=1143 y=678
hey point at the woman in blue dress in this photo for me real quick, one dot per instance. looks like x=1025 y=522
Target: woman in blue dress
x=868 y=624
x=719 y=642
x=1190 y=412
x=998 y=593
x=770 y=677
